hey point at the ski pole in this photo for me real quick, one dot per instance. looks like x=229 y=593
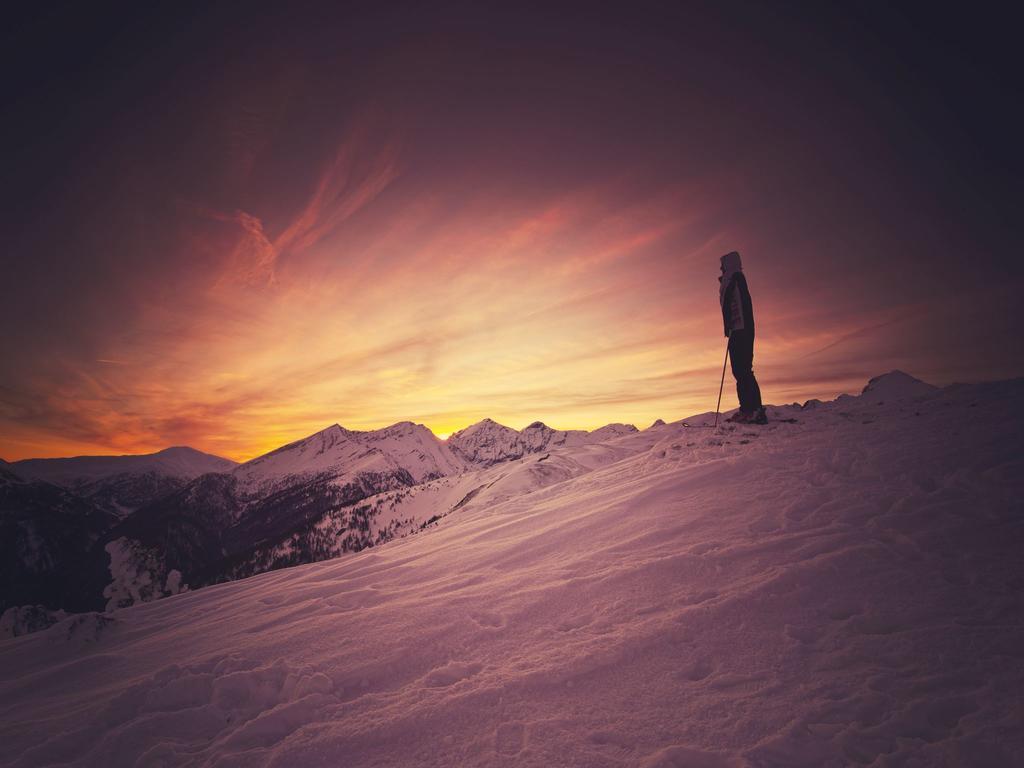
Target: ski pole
x=722 y=385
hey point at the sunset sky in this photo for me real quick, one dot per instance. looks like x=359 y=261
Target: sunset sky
x=231 y=230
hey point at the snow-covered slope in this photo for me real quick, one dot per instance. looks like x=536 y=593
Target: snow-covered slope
x=334 y=492
x=395 y=513
x=293 y=505
x=488 y=442
x=845 y=589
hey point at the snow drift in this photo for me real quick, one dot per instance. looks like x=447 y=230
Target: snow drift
x=843 y=589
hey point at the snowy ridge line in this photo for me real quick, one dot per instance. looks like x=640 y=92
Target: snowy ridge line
x=488 y=442
x=334 y=492
x=180 y=461
x=120 y=485
x=180 y=519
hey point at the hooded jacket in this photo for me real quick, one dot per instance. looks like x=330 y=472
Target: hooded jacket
x=737 y=309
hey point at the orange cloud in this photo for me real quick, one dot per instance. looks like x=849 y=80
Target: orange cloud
x=352 y=179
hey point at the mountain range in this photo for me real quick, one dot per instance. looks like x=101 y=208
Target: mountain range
x=103 y=532
x=127 y=529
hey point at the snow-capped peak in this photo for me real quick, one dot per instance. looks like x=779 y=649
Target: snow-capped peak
x=341 y=452
x=401 y=428
x=177 y=462
x=610 y=431
x=488 y=442
x=484 y=425
x=897 y=385
x=415 y=448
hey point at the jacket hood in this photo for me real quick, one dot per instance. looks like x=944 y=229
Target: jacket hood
x=731 y=262
x=730 y=266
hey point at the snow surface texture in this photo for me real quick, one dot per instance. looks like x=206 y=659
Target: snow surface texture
x=842 y=590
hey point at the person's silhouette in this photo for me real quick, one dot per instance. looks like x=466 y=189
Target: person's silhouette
x=738 y=316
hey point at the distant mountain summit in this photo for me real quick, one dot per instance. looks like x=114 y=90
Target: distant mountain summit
x=897 y=385
x=297 y=503
x=122 y=484
x=179 y=461
x=610 y=432
x=488 y=442
x=336 y=452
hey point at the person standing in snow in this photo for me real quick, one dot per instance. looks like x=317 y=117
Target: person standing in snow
x=738 y=315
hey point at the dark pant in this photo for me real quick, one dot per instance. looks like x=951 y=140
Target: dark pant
x=741 y=354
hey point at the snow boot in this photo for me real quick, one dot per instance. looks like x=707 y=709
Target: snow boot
x=757 y=417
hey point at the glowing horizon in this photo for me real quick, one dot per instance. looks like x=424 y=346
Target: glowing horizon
x=376 y=303
x=285 y=334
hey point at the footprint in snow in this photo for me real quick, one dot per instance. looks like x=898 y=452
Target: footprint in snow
x=875 y=625
x=613 y=738
x=705 y=547
x=802 y=635
x=699 y=670
x=700 y=597
x=450 y=674
x=766 y=524
x=686 y=757
x=510 y=738
x=570 y=623
x=488 y=619
x=841 y=610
